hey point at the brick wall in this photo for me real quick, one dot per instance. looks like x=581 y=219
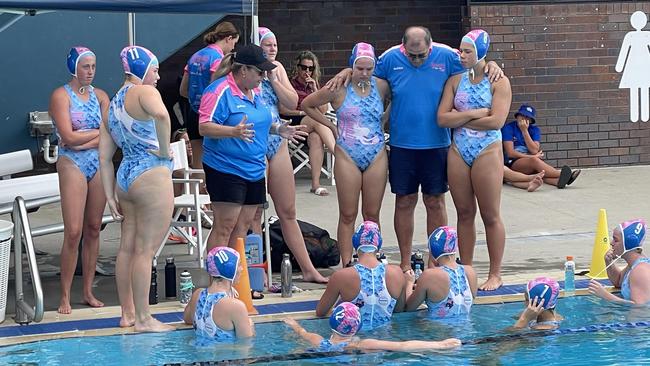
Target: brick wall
x=561 y=57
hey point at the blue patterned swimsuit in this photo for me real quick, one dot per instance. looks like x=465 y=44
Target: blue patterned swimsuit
x=271 y=100
x=468 y=142
x=459 y=299
x=84 y=116
x=359 y=126
x=374 y=301
x=626 y=292
x=135 y=138
x=327 y=346
x=204 y=325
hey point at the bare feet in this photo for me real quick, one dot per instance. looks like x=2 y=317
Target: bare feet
x=127 y=320
x=92 y=301
x=152 y=325
x=64 y=306
x=492 y=283
x=315 y=277
x=534 y=184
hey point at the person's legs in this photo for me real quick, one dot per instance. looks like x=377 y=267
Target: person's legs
x=73 y=188
x=348 y=188
x=404 y=183
x=123 y=263
x=460 y=185
x=432 y=165
x=487 y=182
x=316 y=153
x=373 y=187
x=95 y=204
x=530 y=182
x=244 y=222
x=537 y=165
x=225 y=219
x=282 y=188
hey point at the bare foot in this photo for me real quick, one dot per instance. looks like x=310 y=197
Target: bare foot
x=534 y=184
x=315 y=277
x=92 y=301
x=491 y=284
x=152 y=325
x=127 y=320
x=64 y=306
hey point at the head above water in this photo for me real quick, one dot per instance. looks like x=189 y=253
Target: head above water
x=367 y=238
x=443 y=242
x=544 y=289
x=345 y=319
x=222 y=262
x=632 y=234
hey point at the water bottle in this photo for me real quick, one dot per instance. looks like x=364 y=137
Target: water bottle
x=285 y=276
x=170 y=279
x=417 y=258
x=153 y=287
x=254 y=248
x=186 y=287
x=418 y=271
x=569 y=274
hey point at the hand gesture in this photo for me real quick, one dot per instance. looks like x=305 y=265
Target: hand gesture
x=293 y=133
x=244 y=130
x=597 y=289
x=114 y=206
x=534 y=308
x=494 y=71
x=523 y=123
x=311 y=83
x=409 y=275
x=609 y=257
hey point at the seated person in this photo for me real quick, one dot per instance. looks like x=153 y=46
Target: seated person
x=305 y=80
x=449 y=288
x=529 y=182
x=634 y=280
x=522 y=151
x=376 y=288
x=215 y=312
x=540 y=300
x=345 y=322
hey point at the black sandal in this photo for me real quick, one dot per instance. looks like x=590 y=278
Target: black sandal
x=256 y=295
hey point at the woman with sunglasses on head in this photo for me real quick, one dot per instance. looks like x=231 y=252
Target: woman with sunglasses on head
x=361 y=161
x=276 y=90
x=77 y=109
x=235 y=122
x=305 y=80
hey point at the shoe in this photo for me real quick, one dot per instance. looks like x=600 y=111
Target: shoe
x=565 y=176
x=177 y=239
x=574 y=176
x=256 y=295
x=205 y=223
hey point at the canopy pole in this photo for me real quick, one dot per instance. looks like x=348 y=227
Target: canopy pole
x=131 y=20
x=16 y=18
x=255 y=35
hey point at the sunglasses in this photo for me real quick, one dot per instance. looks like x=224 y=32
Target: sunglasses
x=417 y=56
x=305 y=67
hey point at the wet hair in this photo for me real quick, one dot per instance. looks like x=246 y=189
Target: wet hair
x=221 y=31
x=307 y=55
x=228 y=65
x=427 y=34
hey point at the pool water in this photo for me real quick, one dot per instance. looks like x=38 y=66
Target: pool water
x=487 y=342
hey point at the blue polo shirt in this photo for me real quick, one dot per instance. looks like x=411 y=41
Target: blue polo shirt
x=416 y=93
x=511 y=132
x=224 y=103
x=199 y=69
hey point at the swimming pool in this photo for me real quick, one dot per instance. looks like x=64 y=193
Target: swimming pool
x=594 y=333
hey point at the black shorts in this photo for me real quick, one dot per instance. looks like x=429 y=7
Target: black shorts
x=409 y=169
x=224 y=187
x=509 y=162
x=191 y=120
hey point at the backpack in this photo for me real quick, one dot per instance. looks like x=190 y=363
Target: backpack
x=323 y=250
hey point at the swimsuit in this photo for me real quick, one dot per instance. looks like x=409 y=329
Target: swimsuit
x=374 y=301
x=135 y=138
x=204 y=325
x=359 y=126
x=271 y=100
x=327 y=346
x=84 y=116
x=459 y=299
x=468 y=142
x=626 y=292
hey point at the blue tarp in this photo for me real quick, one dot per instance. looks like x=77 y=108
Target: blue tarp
x=241 y=7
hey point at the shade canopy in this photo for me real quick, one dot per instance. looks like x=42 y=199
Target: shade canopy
x=240 y=7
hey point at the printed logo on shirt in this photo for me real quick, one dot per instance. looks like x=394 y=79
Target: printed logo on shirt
x=241 y=106
x=398 y=68
x=438 y=67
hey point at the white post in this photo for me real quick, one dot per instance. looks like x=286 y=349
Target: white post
x=131 y=20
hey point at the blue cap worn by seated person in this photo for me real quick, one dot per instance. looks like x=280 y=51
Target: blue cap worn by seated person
x=443 y=241
x=345 y=319
x=75 y=54
x=222 y=262
x=544 y=288
x=367 y=238
x=527 y=111
x=137 y=61
x=633 y=234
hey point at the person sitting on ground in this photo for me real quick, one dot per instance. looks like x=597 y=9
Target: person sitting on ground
x=529 y=182
x=540 y=299
x=305 y=79
x=377 y=288
x=634 y=280
x=449 y=288
x=215 y=312
x=522 y=151
x=345 y=322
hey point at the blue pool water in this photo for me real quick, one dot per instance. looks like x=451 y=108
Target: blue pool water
x=488 y=343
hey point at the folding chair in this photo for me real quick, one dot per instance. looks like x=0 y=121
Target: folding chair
x=190 y=201
x=298 y=152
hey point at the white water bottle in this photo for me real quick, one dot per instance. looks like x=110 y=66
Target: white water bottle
x=418 y=271
x=569 y=276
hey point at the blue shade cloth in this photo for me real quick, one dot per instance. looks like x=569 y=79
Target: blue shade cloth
x=242 y=7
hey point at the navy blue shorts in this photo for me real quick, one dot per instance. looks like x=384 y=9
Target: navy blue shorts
x=409 y=169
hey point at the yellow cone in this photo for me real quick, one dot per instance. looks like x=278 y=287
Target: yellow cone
x=243 y=286
x=601 y=246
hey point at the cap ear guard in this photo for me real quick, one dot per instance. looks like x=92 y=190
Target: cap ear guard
x=76 y=54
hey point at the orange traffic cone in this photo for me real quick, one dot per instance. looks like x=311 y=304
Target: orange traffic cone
x=601 y=246
x=243 y=286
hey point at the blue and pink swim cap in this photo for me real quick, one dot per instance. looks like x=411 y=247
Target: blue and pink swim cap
x=480 y=39
x=222 y=262
x=544 y=288
x=137 y=61
x=75 y=54
x=367 y=238
x=345 y=319
x=443 y=241
x=362 y=50
x=633 y=234
x=265 y=33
